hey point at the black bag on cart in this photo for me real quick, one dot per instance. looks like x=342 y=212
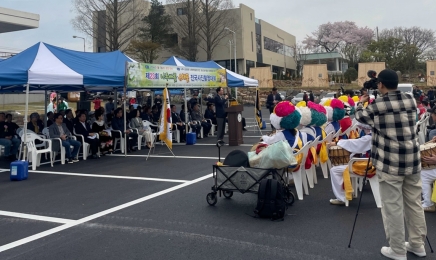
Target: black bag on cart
x=271 y=200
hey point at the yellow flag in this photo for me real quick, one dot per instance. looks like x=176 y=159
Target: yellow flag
x=165 y=126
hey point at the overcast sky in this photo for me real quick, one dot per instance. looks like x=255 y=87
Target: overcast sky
x=296 y=17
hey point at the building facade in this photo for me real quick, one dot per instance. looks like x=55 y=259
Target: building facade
x=258 y=43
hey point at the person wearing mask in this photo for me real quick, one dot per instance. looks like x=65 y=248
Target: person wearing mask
x=34 y=125
x=118 y=124
x=396 y=156
x=11 y=144
x=82 y=128
x=60 y=130
x=178 y=123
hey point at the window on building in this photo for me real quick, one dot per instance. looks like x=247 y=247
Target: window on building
x=252 y=43
x=320 y=75
x=181 y=11
x=431 y=73
x=258 y=44
x=277 y=47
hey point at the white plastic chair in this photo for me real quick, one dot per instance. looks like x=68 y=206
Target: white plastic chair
x=176 y=132
x=312 y=171
x=212 y=129
x=148 y=124
x=297 y=175
x=372 y=181
x=85 y=146
x=34 y=154
x=46 y=133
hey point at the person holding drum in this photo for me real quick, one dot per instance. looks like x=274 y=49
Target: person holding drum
x=396 y=156
x=353 y=146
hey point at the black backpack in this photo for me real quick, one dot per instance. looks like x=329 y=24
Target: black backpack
x=271 y=200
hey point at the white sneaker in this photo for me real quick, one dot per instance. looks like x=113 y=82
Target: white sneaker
x=387 y=251
x=420 y=251
x=336 y=202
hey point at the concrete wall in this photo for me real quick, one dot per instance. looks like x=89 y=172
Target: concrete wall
x=20 y=98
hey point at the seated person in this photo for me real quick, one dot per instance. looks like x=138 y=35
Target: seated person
x=35 y=125
x=136 y=122
x=82 y=128
x=11 y=144
x=210 y=113
x=156 y=114
x=196 y=116
x=60 y=130
x=118 y=124
x=50 y=118
x=428 y=177
x=177 y=121
x=354 y=146
x=12 y=126
x=99 y=126
x=69 y=120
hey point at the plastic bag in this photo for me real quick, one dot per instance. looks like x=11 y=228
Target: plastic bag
x=277 y=155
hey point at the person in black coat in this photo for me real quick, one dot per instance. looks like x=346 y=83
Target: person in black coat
x=272 y=100
x=210 y=113
x=82 y=128
x=177 y=121
x=220 y=101
x=118 y=124
x=311 y=96
x=69 y=120
x=35 y=125
x=305 y=97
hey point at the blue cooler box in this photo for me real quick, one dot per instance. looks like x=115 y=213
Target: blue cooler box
x=19 y=170
x=191 y=138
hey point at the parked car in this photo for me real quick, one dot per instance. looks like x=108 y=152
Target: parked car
x=406 y=88
x=327 y=96
x=297 y=98
x=282 y=94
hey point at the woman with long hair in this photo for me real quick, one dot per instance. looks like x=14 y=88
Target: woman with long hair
x=99 y=126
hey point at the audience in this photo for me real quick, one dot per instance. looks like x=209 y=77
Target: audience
x=83 y=128
x=197 y=117
x=60 y=130
x=12 y=126
x=118 y=124
x=136 y=122
x=210 y=113
x=69 y=120
x=99 y=126
x=50 y=118
x=35 y=125
x=11 y=144
x=178 y=123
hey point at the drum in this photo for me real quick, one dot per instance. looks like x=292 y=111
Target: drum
x=339 y=156
x=427 y=149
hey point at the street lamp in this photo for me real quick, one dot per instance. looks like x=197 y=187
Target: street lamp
x=83 y=41
x=230 y=60
x=236 y=70
x=284 y=55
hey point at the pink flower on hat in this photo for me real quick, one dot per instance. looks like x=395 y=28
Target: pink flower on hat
x=316 y=107
x=284 y=108
x=336 y=103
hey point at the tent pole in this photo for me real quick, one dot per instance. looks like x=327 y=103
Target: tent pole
x=201 y=100
x=45 y=107
x=126 y=137
x=186 y=112
x=25 y=122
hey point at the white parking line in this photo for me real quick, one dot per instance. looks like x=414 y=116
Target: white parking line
x=167 y=156
x=98 y=215
x=109 y=176
x=35 y=217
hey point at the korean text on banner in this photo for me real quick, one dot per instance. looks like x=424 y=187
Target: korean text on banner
x=144 y=75
x=165 y=126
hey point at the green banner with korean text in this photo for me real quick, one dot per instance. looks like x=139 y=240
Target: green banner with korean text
x=144 y=75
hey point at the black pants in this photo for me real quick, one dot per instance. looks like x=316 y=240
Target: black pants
x=182 y=129
x=94 y=143
x=131 y=142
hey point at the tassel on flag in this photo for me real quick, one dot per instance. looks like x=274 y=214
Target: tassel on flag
x=165 y=126
x=258 y=111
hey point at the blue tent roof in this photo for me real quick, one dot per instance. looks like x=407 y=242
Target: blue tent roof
x=47 y=66
x=233 y=79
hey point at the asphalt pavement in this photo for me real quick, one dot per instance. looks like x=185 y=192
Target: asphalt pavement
x=121 y=207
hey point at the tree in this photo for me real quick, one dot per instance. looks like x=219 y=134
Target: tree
x=186 y=20
x=145 y=51
x=336 y=36
x=351 y=74
x=110 y=22
x=216 y=16
x=155 y=34
x=300 y=56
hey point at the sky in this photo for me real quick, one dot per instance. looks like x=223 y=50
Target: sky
x=297 y=17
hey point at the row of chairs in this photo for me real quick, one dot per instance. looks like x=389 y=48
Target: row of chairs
x=305 y=179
